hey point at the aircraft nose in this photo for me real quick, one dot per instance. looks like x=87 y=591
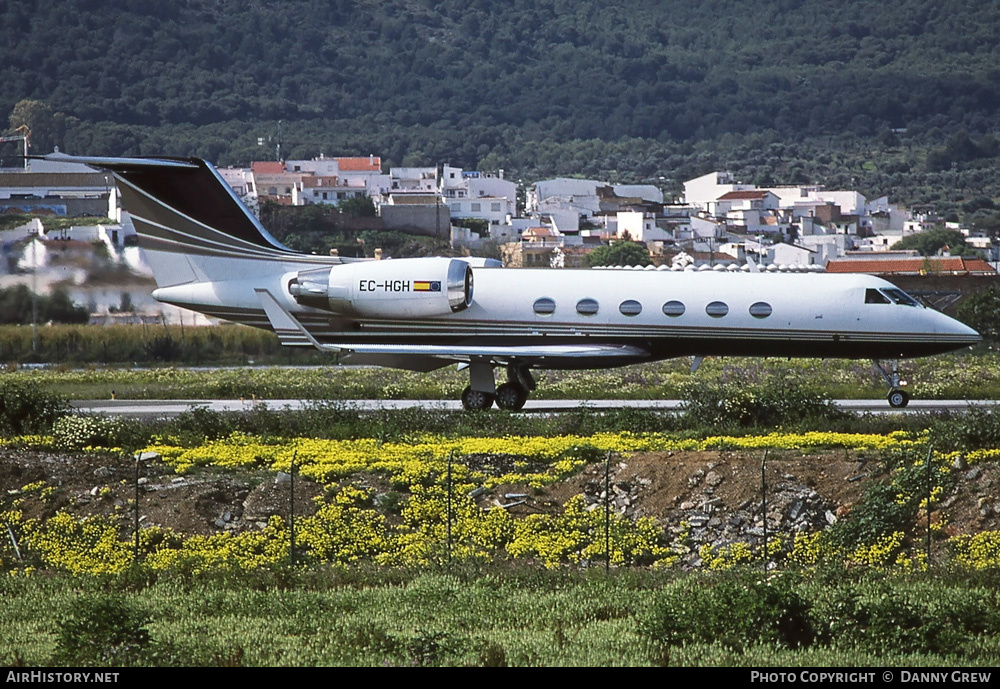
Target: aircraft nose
x=961 y=333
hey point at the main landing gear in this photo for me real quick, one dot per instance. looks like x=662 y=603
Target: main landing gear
x=483 y=392
x=476 y=400
x=897 y=397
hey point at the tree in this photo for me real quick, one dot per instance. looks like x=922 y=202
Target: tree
x=929 y=243
x=619 y=254
x=47 y=127
x=478 y=225
x=982 y=312
x=59 y=308
x=16 y=307
x=358 y=207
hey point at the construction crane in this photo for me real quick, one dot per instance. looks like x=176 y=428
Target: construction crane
x=24 y=135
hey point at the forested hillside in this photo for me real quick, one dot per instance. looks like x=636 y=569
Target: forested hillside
x=627 y=89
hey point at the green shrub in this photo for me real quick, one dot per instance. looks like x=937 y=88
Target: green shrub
x=737 y=613
x=427 y=648
x=891 y=507
x=878 y=514
x=201 y=423
x=104 y=629
x=975 y=429
x=769 y=403
x=917 y=619
x=79 y=432
x=492 y=655
x=25 y=408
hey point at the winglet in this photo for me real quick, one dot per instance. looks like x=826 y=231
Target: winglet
x=290 y=332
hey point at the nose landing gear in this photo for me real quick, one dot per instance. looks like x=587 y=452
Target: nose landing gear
x=897 y=397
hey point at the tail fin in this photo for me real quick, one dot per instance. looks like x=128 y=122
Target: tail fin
x=182 y=207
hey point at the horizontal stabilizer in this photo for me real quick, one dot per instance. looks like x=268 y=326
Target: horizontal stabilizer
x=118 y=163
x=290 y=332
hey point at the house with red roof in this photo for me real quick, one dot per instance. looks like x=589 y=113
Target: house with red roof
x=895 y=264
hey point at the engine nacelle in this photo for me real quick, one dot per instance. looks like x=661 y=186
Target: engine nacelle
x=401 y=288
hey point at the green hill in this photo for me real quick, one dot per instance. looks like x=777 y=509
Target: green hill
x=618 y=87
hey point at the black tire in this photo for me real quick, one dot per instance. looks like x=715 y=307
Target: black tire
x=898 y=399
x=511 y=396
x=476 y=400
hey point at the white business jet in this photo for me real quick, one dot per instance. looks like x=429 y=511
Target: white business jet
x=208 y=253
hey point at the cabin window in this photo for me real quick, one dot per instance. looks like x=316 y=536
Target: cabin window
x=587 y=307
x=873 y=296
x=673 y=308
x=761 y=309
x=544 y=306
x=630 y=307
x=900 y=297
x=717 y=309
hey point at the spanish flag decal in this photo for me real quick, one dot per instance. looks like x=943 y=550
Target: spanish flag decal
x=426 y=286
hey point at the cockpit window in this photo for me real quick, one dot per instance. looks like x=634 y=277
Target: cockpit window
x=873 y=296
x=889 y=295
x=900 y=297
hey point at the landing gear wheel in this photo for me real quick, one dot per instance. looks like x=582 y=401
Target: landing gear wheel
x=476 y=400
x=511 y=396
x=898 y=399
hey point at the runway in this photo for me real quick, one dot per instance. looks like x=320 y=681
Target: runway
x=171 y=408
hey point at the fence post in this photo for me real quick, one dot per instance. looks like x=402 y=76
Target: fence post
x=763 y=509
x=13 y=542
x=930 y=451
x=135 y=552
x=607 y=512
x=291 y=510
x=451 y=454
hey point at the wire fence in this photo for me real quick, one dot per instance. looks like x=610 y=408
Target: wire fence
x=691 y=510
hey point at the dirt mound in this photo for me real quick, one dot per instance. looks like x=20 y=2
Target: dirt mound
x=715 y=497
x=199 y=503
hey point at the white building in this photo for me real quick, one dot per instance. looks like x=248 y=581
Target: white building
x=702 y=191
x=792 y=255
x=495 y=209
x=58 y=187
x=750 y=211
x=332 y=180
x=413 y=179
x=566 y=193
x=465 y=194
x=829 y=246
x=238 y=178
x=640 y=226
x=474 y=194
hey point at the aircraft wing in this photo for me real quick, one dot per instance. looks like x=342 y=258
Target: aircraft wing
x=429 y=357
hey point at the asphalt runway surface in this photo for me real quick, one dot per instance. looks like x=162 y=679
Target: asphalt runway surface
x=170 y=408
